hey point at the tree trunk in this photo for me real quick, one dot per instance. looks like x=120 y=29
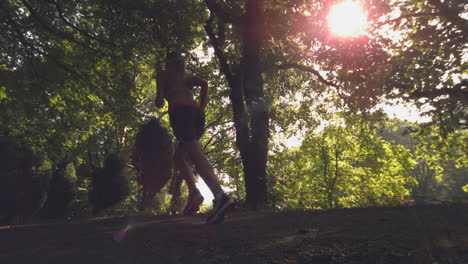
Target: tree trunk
x=251 y=118
x=252 y=140
x=257 y=150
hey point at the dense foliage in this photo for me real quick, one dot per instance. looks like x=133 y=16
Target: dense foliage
x=346 y=164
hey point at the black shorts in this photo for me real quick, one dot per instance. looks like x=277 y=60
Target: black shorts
x=187 y=121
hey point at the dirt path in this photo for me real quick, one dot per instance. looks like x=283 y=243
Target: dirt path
x=436 y=234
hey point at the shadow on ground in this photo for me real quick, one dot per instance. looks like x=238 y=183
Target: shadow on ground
x=430 y=234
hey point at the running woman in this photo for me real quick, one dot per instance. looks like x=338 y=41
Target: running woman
x=187 y=120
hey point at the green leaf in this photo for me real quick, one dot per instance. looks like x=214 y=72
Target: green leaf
x=3 y=94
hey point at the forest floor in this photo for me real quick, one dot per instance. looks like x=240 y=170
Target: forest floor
x=426 y=234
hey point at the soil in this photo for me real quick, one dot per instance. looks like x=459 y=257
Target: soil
x=427 y=234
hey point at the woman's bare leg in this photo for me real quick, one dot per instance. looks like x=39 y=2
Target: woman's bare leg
x=194 y=149
x=184 y=168
x=221 y=201
x=195 y=199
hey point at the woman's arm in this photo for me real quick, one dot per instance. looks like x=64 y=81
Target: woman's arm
x=197 y=81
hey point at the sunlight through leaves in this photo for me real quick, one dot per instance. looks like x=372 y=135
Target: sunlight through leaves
x=347 y=19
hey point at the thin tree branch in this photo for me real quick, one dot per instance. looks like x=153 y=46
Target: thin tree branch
x=444 y=11
x=83 y=32
x=459 y=89
x=451 y=14
x=391 y=21
x=53 y=30
x=309 y=70
x=217 y=46
x=30 y=46
x=22 y=40
x=222 y=10
x=208 y=142
x=215 y=135
x=215 y=123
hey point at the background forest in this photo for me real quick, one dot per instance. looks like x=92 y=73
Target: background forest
x=77 y=83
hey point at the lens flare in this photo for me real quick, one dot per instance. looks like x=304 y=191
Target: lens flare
x=120 y=234
x=347 y=19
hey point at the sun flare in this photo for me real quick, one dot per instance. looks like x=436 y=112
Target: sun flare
x=347 y=19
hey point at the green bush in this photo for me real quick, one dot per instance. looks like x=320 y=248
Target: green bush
x=109 y=184
x=62 y=192
x=24 y=180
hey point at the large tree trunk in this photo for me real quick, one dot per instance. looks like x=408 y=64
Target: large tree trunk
x=257 y=151
x=252 y=135
x=250 y=111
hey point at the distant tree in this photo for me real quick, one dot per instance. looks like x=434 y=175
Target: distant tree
x=446 y=156
x=441 y=170
x=344 y=165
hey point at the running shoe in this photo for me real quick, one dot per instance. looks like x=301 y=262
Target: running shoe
x=219 y=207
x=193 y=203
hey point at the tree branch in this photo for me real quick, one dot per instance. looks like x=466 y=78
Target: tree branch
x=211 y=139
x=51 y=29
x=444 y=10
x=307 y=69
x=83 y=32
x=222 y=10
x=379 y=24
x=451 y=14
x=459 y=89
x=217 y=123
x=217 y=46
